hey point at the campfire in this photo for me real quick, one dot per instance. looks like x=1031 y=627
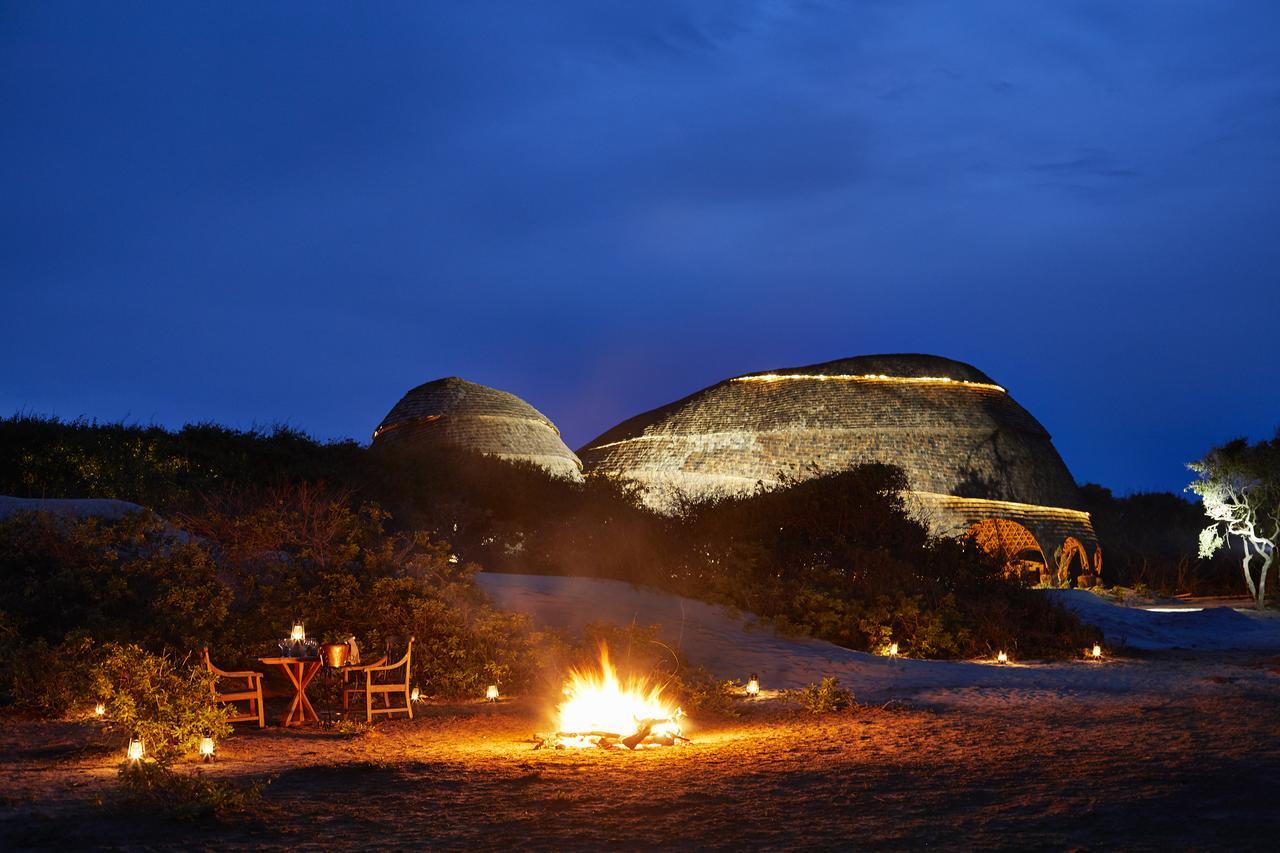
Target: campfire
x=603 y=710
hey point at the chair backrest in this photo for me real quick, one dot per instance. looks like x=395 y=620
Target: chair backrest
x=404 y=661
x=208 y=664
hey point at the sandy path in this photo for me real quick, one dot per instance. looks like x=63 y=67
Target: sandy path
x=732 y=645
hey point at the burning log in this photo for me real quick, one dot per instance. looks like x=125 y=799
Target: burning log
x=644 y=735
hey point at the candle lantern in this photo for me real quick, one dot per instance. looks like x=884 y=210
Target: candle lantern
x=1002 y=657
x=298 y=634
x=206 y=748
x=99 y=710
x=1096 y=653
x=415 y=695
x=135 y=750
x=753 y=686
x=893 y=650
x=492 y=693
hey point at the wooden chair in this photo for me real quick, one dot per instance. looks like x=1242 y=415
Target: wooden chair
x=251 y=694
x=381 y=678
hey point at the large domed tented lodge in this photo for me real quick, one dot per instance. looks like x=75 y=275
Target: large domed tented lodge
x=456 y=413
x=975 y=460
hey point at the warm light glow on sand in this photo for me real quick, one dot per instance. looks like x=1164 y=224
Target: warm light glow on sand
x=1173 y=609
x=601 y=701
x=869 y=377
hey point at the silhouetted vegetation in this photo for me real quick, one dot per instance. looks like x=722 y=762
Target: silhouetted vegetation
x=383 y=543
x=1150 y=541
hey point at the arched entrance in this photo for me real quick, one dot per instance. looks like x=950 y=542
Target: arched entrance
x=1073 y=562
x=1015 y=546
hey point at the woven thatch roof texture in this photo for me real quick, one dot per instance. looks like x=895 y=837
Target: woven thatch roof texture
x=458 y=413
x=964 y=437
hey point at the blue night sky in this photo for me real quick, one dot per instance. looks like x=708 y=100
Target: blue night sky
x=255 y=213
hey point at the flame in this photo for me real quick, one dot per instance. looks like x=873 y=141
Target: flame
x=600 y=701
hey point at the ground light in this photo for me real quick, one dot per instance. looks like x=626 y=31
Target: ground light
x=1002 y=657
x=753 y=686
x=1096 y=652
x=415 y=695
x=135 y=750
x=206 y=748
x=892 y=651
x=491 y=693
x=99 y=710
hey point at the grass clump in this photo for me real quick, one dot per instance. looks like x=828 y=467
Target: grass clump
x=825 y=697
x=155 y=787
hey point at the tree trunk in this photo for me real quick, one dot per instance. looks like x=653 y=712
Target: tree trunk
x=1262 y=580
x=1248 y=575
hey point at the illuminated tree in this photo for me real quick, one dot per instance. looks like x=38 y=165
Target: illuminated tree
x=1239 y=484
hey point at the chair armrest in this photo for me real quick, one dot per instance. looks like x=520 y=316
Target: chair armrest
x=222 y=673
x=367 y=667
x=383 y=666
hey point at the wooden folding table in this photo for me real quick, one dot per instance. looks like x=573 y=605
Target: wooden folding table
x=300 y=671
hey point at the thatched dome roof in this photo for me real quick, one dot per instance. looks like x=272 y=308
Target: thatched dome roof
x=455 y=412
x=968 y=449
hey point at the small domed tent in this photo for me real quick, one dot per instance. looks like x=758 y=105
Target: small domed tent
x=456 y=413
x=971 y=454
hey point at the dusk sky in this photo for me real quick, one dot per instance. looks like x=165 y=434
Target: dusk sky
x=254 y=213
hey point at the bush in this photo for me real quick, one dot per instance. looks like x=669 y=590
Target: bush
x=168 y=706
x=50 y=680
x=133 y=580
x=185 y=796
x=824 y=698
x=836 y=556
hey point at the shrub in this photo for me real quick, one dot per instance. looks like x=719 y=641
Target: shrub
x=823 y=698
x=50 y=680
x=132 y=580
x=169 y=706
x=185 y=796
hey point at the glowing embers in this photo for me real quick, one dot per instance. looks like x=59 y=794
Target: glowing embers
x=869 y=377
x=605 y=710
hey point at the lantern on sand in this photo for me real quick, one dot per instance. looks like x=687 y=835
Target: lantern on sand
x=1002 y=657
x=753 y=686
x=491 y=693
x=206 y=748
x=135 y=750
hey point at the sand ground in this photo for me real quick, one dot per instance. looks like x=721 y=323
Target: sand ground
x=1143 y=770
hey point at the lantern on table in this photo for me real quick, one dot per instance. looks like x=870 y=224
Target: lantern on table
x=298 y=634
